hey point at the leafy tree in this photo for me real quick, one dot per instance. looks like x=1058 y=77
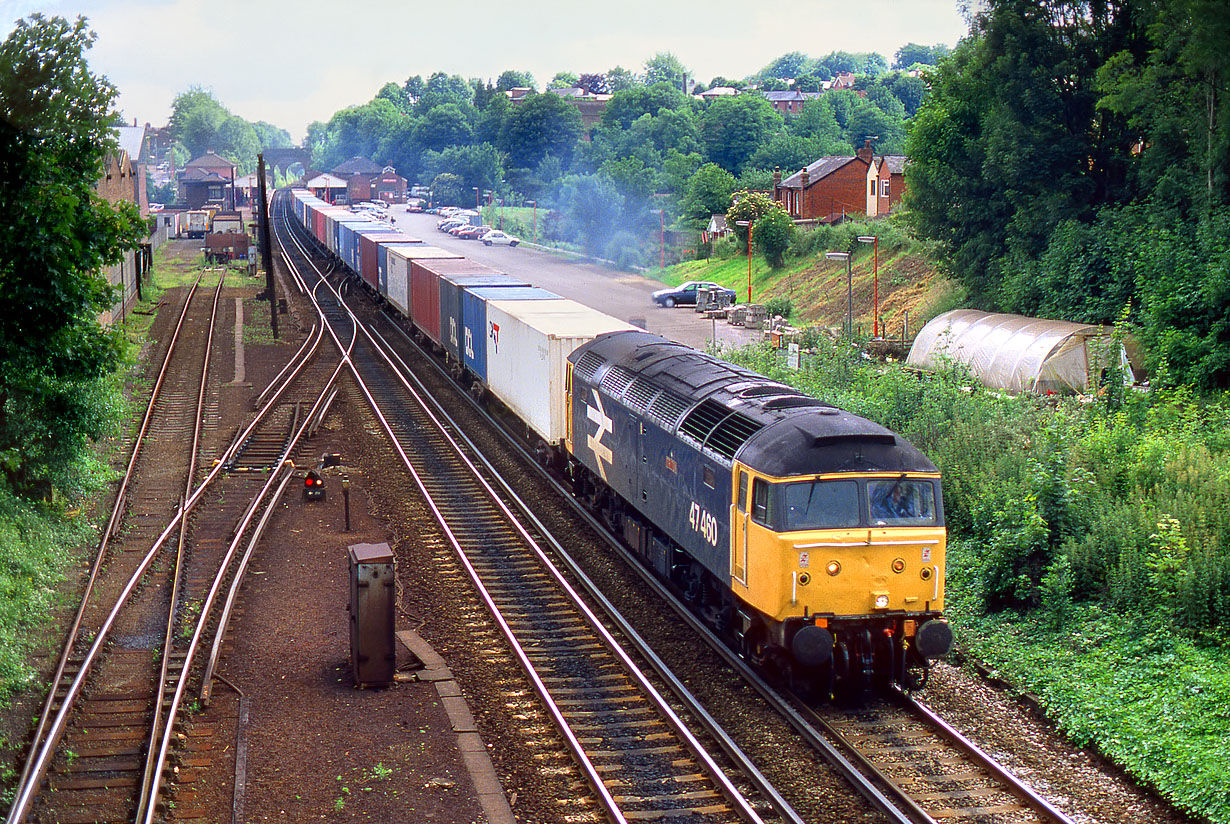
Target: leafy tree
x=591 y=208
x=58 y=234
x=514 y=80
x=786 y=67
x=773 y=232
x=414 y=88
x=755 y=180
x=807 y=83
x=543 y=124
x=478 y=166
x=913 y=53
x=396 y=95
x=442 y=88
x=445 y=125
x=909 y=90
x=631 y=177
x=868 y=122
x=490 y=120
x=399 y=148
x=448 y=189
x=664 y=67
x=787 y=152
x=708 y=193
x=626 y=106
x=774 y=84
x=732 y=128
x=563 y=80
x=620 y=79
x=238 y=141
x=747 y=207
x=840 y=61
x=817 y=121
x=357 y=132
x=271 y=136
x=195 y=119
x=676 y=170
x=874 y=65
x=594 y=83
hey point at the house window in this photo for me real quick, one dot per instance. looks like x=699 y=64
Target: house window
x=873 y=188
x=884 y=188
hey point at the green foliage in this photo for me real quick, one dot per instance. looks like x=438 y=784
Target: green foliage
x=514 y=80
x=708 y=193
x=748 y=207
x=912 y=53
x=544 y=124
x=55 y=359
x=773 y=232
x=664 y=67
x=733 y=128
x=591 y=208
x=201 y=124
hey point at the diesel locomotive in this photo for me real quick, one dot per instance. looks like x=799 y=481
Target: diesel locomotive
x=812 y=538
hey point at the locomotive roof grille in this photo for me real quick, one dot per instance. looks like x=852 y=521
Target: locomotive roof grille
x=668 y=407
x=588 y=366
x=714 y=426
x=616 y=380
x=640 y=394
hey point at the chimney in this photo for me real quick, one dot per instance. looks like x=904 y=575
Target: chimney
x=805 y=179
x=777 y=177
x=866 y=153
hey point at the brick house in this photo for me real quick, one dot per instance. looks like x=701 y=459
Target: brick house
x=386 y=185
x=208 y=181
x=361 y=168
x=826 y=190
x=789 y=102
x=885 y=184
x=123 y=181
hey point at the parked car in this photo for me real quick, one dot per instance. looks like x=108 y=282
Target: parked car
x=472 y=232
x=685 y=293
x=458 y=228
x=448 y=223
x=494 y=236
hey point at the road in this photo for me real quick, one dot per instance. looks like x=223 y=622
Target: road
x=620 y=294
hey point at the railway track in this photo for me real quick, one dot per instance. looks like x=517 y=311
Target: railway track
x=103 y=746
x=627 y=734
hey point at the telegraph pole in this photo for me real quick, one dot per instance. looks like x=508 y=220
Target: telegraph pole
x=267 y=248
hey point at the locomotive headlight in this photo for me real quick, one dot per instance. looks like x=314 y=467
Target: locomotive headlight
x=898 y=565
x=881 y=600
x=833 y=568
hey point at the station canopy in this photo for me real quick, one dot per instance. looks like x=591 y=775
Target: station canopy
x=1016 y=353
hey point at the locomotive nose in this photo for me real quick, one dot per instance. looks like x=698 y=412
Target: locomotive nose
x=934 y=639
x=812 y=646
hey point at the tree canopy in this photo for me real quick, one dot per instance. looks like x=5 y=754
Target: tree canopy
x=58 y=234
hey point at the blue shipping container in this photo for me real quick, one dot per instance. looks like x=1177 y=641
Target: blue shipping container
x=474 y=320
x=452 y=287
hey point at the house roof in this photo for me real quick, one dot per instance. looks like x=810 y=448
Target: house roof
x=131 y=140
x=717 y=223
x=324 y=180
x=210 y=160
x=896 y=164
x=356 y=166
x=202 y=176
x=719 y=91
x=819 y=170
x=792 y=96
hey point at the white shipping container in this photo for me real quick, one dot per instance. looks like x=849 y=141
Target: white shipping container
x=528 y=344
x=399 y=257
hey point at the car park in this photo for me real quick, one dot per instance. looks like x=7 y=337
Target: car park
x=685 y=293
x=496 y=237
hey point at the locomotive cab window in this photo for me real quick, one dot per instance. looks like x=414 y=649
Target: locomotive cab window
x=901 y=502
x=742 y=502
x=821 y=505
x=762 y=502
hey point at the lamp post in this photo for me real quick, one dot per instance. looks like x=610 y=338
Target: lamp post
x=661 y=238
x=849 y=289
x=875 y=310
x=748 y=224
x=534 y=232
x=477 y=208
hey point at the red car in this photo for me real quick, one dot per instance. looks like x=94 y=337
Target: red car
x=473 y=232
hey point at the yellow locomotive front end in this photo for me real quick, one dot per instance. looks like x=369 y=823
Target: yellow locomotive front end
x=842 y=573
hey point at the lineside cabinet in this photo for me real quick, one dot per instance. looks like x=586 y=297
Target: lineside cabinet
x=372 y=595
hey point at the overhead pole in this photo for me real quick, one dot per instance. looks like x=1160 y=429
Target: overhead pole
x=267 y=248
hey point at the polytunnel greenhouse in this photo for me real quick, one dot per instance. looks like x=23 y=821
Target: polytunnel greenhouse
x=1019 y=354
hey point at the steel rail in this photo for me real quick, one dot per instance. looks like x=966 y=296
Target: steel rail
x=734 y=796
x=677 y=687
x=868 y=789
x=1015 y=785
x=111 y=528
x=41 y=755
x=176 y=569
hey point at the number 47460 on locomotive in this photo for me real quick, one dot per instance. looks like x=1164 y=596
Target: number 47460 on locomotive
x=810 y=537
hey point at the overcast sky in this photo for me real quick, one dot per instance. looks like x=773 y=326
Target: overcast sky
x=290 y=63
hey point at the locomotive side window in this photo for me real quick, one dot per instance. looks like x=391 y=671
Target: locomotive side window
x=821 y=505
x=762 y=502
x=900 y=502
x=742 y=502
x=709 y=477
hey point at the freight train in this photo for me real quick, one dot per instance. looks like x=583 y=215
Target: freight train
x=812 y=539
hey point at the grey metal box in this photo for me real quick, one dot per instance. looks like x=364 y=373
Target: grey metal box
x=373 y=656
